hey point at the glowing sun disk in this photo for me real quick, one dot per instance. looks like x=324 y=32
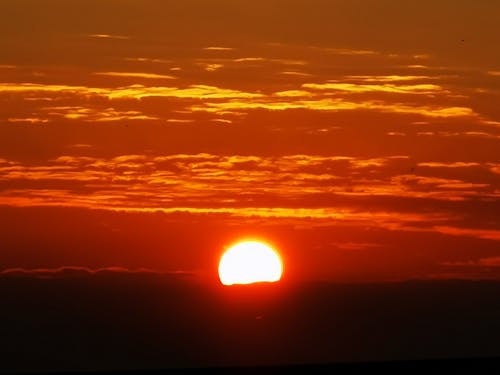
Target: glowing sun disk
x=250 y=262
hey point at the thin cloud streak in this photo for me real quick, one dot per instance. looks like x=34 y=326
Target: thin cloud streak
x=457 y=164
x=136 y=91
x=108 y=36
x=218 y=49
x=79 y=271
x=94 y=115
x=134 y=75
x=421 y=89
x=487 y=234
x=389 y=78
x=334 y=105
x=28 y=120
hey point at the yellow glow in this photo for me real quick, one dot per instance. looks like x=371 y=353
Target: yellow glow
x=250 y=262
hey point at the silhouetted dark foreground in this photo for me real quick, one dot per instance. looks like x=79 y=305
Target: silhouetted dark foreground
x=130 y=322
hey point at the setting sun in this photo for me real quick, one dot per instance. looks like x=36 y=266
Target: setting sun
x=250 y=262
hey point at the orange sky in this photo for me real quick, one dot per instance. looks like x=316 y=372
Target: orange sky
x=361 y=138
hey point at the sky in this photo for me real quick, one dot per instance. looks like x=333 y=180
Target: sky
x=359 y=138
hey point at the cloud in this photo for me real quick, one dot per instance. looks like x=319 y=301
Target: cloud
x=249 y=59
x=495 y=168
x=422 y=56
x=302 y=189
x=389 y=88
x=333 y=105
x=134 y=75
x=419 y=66
x=27 y=120
x=490 y=262
x=487 y=234
x=295 y=74
x=136 y=91
x=482 y=262
x=94 y=114
x=81 y=146
x=218 y=49
x=474 y=134
x=148 y=60
x=195 y=176
x=192 y=91
x=350 y=52
x=78 y=271
x=129 y=158
x=221 y=120
x=180 y=121
x=388 y=78
x=211 y=67
x=253 y=60
x=293 y=93
x=26 y=88
x=457 y=164
x=441 y=188
x=332 y=96
x=290 y=62
x=238 y=182
x=108 y=36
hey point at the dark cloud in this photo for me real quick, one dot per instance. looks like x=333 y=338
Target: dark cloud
x=79 y=271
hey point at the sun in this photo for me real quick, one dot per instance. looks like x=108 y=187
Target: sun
x=250 y=262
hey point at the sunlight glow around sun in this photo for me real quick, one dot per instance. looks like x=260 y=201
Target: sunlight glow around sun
x=250 y=262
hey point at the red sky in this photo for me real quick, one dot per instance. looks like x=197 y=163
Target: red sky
x=361 y=138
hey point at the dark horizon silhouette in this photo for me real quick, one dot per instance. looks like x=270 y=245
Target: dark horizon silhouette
x=118 y=322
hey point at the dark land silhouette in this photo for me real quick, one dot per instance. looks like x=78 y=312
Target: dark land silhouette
x=120 y=321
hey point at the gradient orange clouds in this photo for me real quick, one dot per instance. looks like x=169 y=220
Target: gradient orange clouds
x=294 y=115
